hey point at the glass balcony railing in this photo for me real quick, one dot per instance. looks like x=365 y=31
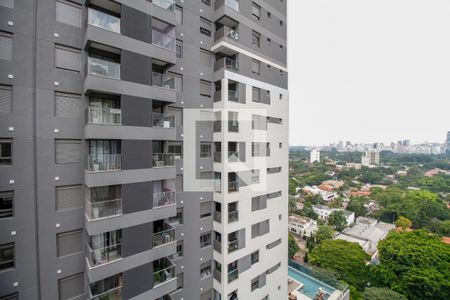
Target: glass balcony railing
x=163 y=199
x=103 y=20
x=164 y=271
x=164 y=40
x=233 y=126
x=113 y=294
x=218 y=157
x=103 y=209
x=217 y=216
x=226 y=63
x=163 y=80
x=233 y=95
x=217 y=186
x=226 y=32
x=104 y=255
x=103 y=115
x=233 y=246
x=233 y=186
x=161 y=160
x=233 y=156
x=233 y=216
x=163 y=120
x=217 y=96
x=164 y=237
x=104 y=162
x=233 y=275
x=234 y=4
x=100 y=67
x=166 y=4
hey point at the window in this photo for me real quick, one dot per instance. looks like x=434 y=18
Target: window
x=178 y=219
x=179 y=249
x=6 y=256
x=281 y=23
x=269 y=67
x=179 y=49
x=179 y=14
x=6 y=204
x=67 y=58
x=255 y=284
x=281 y=72
x=205 y=149
x=205 y=209
x=269 y=15
x=205 y=58
x=205 y=88
x=207 y=2
x=256 y=11
x=273 y=170
x=69 y=242
x=256 y=66
x=14 y=296
x=260 y=228
x=256 y=37
x=67 y=105
x=180 y=280
x=105 y=285
x=68 y=13
x=105 y=247
x=67 y=151
x=176 y=148
x=71 y=287
x=8 y=4
x=5 y=152
x=269 y=41
x=259 y=122
x=280 y=145
x=6 y=46
x=205 y=26
x=69 y=197
x=178 y=81
x=254 y=257
x=205 y=269
x=281 y=47
x=205 y=240
x=6 y=95
x=273 y=244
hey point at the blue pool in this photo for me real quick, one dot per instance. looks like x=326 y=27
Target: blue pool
x=311 y=285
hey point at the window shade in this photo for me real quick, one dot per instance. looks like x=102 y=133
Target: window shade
x=69 y=242
x=5 y=99
x=67 y=151
x=6 y=46
x=67 y=105
x=69 y=197
x=68 y=13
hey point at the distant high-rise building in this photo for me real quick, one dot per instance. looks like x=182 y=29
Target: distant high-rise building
x=370 y=157
x=447 y=144
x=314 y=155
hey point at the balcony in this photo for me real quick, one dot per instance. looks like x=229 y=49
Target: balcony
x=163 y=35
x=164 y=237
x=104 y=162
x=217 y=216
x=103 y=68
x=114 y=294
x=103 y=115
x=233 y=275
x=233 y=216
x=103 y=209
x=233 y=246
x=217 y=186
x=103 y=20
x=217 y=126
x=166 y=4
x=163 y=80
x=164 y=271
x=163 y=199
x=104 y=255
x=226 y=32
x=233 y=156
x=233 y=96
x=162 y=160
x=163 y=120
x=233 y=186
x=217 y=246
x=227 y=64
x=233 y=126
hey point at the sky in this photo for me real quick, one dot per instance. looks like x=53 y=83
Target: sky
x=368 y=71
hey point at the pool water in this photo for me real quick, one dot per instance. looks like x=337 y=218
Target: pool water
x=310 y=285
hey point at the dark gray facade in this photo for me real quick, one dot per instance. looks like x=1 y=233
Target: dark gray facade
x=91 y=133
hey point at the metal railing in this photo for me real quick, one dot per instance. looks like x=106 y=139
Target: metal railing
x=233 y=216
x=217 y=216
x=103 y=20
x=104 y=115
x=233 y=246
x=161 y=160
x=226 y=63
x=163 y=120
x=163 y=275
x=164 y=40
x=205 y=243
x=233 y=186
x=164 y=237
x=104 y=162
x=233 y=156
x=105 y=68
x=163 y=199
x=233 y=96
x=103 y=209
x=104 y=255
x=233 y=126
x=233 y=275
x=115 y=293
x=163 y=80
x=166 y=4
x=205 y=154
x=226 y=32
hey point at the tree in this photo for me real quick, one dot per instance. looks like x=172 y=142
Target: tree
x=440 y=227
x=403 y=223
x=356 y=205
x=347 y=259
x=324 y=232
x=292 y=246
x=415 y=264
x=375 y=293
x=337 y=220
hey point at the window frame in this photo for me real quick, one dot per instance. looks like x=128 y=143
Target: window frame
x=3 y=142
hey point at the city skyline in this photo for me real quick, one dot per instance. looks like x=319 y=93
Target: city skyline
x=378 y=81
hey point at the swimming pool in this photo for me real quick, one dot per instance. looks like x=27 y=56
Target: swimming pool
x=311 y=285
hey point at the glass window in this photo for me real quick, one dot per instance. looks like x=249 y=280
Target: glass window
x=205 y=149
x=6 y=256
x=179 y=15
x=5 y=152
x=256 y=37
x=256 y=66
x=256 y=11
x=205 y=240
x=6 y=204
x=68 y=13
x=254 y=257
x=179 y=49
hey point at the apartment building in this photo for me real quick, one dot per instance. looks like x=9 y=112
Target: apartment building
x=98 y=154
